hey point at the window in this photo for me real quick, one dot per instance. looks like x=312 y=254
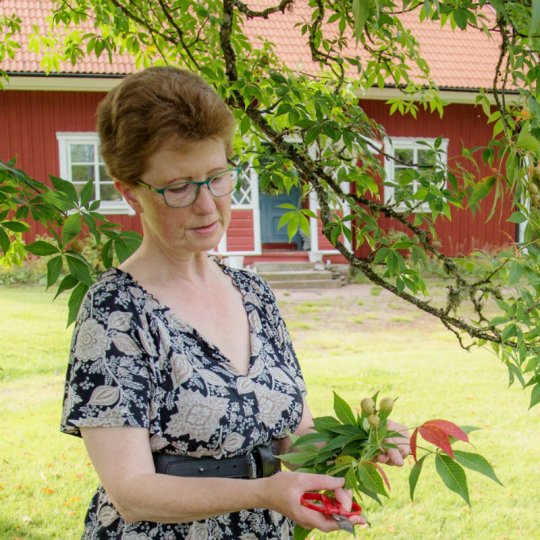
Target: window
x=242 y=197
x=80 y=161
x=406 y=158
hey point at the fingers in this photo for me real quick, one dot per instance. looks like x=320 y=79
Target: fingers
x=318 y=482
x=344 y=498
x=316 y=520
x=394 y=457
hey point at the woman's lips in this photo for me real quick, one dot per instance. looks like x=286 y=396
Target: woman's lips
x=206 y=229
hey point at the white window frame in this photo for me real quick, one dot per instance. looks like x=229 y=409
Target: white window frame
x=64 y=140
x=408 y=143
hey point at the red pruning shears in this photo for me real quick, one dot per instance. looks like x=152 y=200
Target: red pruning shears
x=330 y=507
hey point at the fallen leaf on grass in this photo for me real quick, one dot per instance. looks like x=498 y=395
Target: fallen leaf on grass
x=47 y=490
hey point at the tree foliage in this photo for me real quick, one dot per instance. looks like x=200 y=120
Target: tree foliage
x=310 y=131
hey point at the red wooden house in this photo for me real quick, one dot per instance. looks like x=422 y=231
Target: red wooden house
x=48 y=125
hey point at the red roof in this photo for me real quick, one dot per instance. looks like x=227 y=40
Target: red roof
x=458 y=59
x=35 y=13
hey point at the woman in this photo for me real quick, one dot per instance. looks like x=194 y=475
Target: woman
x=175 y=354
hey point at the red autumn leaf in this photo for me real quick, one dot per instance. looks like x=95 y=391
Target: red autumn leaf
x=412 y=443
x=383 y=474
x=449 y=428
x=436 y=436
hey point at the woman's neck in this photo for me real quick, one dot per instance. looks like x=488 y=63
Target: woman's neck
x=151 y=265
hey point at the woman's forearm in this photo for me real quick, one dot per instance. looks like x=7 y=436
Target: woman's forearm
x=172 y=499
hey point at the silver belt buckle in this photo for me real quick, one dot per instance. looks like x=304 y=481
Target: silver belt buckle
x=252 y=467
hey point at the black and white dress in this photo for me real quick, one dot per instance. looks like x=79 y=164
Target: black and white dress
x=134 y=363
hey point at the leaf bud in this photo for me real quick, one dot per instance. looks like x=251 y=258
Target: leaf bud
x=386 y=405
x=368 y=406
x=373 y=420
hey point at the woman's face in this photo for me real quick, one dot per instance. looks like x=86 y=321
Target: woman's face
x=194 y=228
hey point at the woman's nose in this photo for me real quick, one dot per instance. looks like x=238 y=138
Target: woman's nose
x=204 y=203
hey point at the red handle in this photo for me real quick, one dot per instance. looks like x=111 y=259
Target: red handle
x=328 y=506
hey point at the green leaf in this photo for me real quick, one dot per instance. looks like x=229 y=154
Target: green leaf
x=54 y=267
x=370 y=478
x=300 y=533
x=414 y=475
x=343 y=410
x=75 y=301
x=41 y=248
x=325 y=422
x=87 y=193
x=79 y=268
x=482 y=190
x=529 y=142
x=16 y=226
x=360 y=10
x=535 y=396
x=67 y=283
x=310 y=438
x=460 y=17
x=299 y=458
x=71 y=228
x=477 y=463
x=5 y=242
x=515 y=273
x=67 y=188
x=107 y=254
x=517 y=217
x=535 y=20
x=453 y=476
x=126 y=244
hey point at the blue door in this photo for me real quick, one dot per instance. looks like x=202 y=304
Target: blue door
x=270 y=216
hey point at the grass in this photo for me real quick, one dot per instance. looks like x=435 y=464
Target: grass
x=46 y=479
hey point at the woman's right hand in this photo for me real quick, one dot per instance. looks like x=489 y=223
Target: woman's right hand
x=284 y=489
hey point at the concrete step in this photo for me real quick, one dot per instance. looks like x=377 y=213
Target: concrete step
x=300 y=275
x=296 y=275
x=267 y=267
x=308 y=284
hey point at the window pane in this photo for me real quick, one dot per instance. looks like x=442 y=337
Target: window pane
x=78 y=187
x=404 y=156
x=82 y=173
x=109 y=193
x=82 y=153
x=103 y=174
x=426 y=157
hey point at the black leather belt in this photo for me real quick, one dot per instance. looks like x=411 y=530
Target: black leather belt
x=260 y=463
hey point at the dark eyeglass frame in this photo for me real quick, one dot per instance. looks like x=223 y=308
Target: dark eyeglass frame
x=197 y=184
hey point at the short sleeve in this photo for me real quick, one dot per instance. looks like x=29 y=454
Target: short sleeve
x=108 y=379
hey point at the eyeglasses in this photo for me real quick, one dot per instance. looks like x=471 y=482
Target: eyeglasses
x=185 y=192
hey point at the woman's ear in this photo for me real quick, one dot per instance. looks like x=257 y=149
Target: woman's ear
x=128 y=192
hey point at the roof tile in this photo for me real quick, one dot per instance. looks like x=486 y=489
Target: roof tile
x=458 y=59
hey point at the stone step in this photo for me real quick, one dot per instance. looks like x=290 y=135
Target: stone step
x=296 y=275
x=308 y=284
x=265 y=267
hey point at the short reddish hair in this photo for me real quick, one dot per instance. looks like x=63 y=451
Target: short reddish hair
x=152 y=106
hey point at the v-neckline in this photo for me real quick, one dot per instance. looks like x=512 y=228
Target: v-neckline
x=226 y=361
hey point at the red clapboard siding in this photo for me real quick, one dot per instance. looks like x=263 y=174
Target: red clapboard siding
x=462 y=125
x=30 y=121
x=240 y=234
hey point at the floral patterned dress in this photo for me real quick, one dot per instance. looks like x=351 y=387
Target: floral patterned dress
x=134 y=363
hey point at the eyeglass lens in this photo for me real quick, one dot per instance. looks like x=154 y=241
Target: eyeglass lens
x=184 y=194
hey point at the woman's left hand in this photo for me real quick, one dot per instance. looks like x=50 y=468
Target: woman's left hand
x=395 y=456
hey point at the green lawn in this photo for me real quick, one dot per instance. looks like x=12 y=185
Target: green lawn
x=350 y=341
